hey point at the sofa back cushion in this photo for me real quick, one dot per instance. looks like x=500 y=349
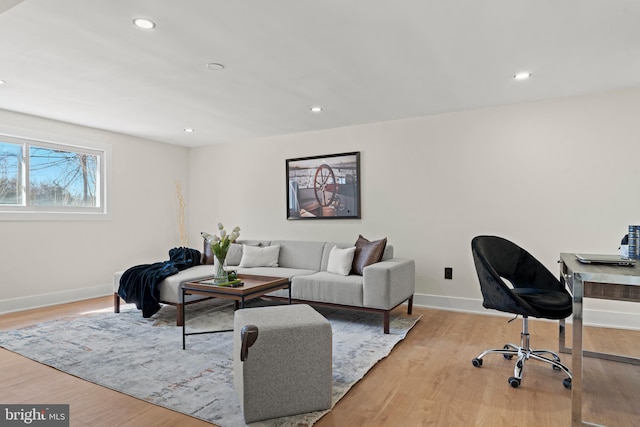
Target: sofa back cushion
x=235 y=254
x=300 y=254
x=235 y=251
x=388 y=252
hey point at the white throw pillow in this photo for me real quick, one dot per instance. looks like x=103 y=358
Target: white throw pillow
x=340 y=260
x=254 y=256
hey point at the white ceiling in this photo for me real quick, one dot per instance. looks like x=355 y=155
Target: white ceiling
x=363 y=61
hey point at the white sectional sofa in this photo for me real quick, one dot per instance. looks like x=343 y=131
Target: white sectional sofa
x=382 y=286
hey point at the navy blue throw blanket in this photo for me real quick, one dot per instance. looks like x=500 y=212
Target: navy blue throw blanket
x=139 y=284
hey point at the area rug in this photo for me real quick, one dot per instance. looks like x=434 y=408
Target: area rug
x=144 y=357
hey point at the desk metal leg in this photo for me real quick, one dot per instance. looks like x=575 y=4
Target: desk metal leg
x=576 y=354
x=562 y=348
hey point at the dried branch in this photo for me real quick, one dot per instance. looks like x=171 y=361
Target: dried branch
x=184 y=240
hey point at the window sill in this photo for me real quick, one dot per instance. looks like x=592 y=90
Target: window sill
x=55 y=216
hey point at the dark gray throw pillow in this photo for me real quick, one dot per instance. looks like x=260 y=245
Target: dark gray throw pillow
x=367 y=253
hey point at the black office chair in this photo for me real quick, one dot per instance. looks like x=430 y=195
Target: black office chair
x=534 y=292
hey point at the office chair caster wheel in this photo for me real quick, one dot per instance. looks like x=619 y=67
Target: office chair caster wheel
x=514 y=382
x=507 y=356
x=477 y=362
x=567 y=383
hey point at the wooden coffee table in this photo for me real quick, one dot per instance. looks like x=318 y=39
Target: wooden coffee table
x=253 y=287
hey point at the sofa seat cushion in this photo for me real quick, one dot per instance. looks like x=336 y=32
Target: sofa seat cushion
x=329 y=288
x=289 y=273
x=170 y=287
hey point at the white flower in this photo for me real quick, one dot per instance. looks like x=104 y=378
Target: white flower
x=220 y=244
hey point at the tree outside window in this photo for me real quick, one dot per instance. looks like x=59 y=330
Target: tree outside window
x=10 y=174
x=56 y=176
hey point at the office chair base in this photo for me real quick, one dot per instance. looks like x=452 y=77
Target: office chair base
x=523 y=353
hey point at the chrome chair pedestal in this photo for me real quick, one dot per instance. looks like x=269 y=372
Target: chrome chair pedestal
x=523 y=352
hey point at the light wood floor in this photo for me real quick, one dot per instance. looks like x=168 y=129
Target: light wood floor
x=428 y=380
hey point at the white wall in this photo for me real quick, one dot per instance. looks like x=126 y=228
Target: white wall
x=555 y=176
x=48 y=262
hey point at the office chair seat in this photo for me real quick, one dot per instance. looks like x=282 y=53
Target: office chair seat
x=513 y=281
x=551 y=304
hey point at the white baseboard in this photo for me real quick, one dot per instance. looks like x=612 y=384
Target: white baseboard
x=599 y=318
x=54 y=298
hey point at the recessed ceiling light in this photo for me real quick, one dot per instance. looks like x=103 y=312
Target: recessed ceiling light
x=214 y=66
x=522 y=76
x=316 y=109
x=2 y=82
x=144 y=23
x=189 y=130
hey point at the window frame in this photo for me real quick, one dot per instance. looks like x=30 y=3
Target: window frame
x=65 y=213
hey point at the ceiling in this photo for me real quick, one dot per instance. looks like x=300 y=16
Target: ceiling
x=363 y=61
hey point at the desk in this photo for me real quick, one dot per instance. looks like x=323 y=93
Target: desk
x=593 y=281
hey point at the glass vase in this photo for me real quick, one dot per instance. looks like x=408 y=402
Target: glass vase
x=220 y=270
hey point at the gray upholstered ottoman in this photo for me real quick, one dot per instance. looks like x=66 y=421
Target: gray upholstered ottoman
x=287 y=370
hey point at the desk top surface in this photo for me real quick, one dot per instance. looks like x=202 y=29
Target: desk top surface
x=602 y=273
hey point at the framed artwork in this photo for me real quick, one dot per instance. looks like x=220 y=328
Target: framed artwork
x=324 y=187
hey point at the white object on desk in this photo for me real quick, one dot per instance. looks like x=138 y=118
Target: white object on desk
x=624 y=251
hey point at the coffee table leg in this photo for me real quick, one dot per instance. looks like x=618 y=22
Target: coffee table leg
x=184 y=306
x=289 y=293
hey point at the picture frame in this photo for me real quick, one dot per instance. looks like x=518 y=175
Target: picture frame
x=324 y=187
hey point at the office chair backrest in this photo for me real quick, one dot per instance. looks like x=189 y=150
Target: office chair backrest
x=496 y=258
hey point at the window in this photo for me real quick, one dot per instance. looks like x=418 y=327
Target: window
x=44 y=177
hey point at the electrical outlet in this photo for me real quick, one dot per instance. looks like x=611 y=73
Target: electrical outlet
x=448 y=273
